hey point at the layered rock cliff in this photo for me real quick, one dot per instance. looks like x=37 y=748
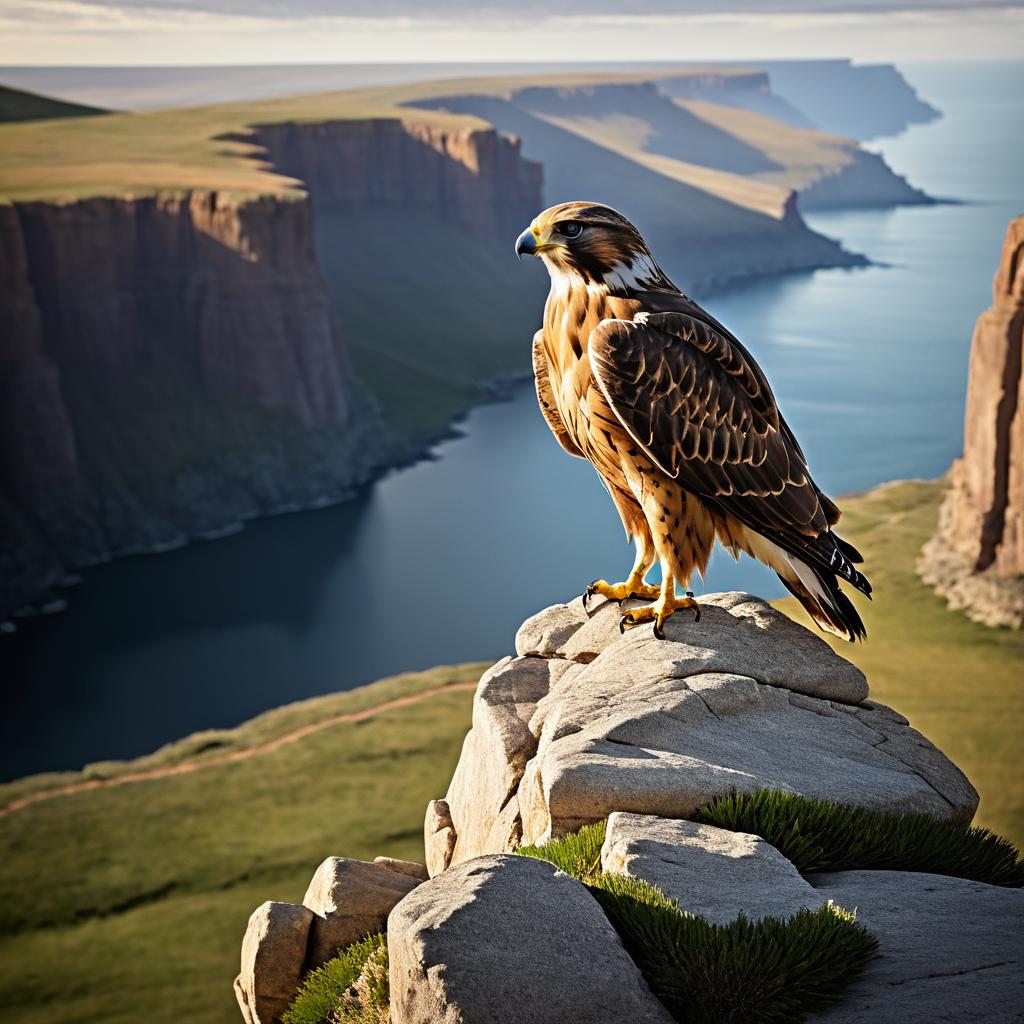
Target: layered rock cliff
x=172 y=365
x=475 y=177
x=976 y=559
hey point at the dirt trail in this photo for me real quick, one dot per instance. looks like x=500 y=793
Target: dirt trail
x=196 y=764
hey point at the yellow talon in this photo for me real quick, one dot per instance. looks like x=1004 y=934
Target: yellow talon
x=633 y=587
x=659 y=612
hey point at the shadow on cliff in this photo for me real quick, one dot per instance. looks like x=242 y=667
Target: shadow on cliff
x=413 y=233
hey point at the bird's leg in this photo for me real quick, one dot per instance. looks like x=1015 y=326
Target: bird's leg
x=634 y=586
x=659 y=612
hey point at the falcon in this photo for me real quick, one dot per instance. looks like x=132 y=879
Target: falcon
x=680 y=423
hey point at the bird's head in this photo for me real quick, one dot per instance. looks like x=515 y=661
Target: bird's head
x=595 y=244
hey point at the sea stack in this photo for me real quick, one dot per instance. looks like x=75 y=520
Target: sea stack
x=976 y=558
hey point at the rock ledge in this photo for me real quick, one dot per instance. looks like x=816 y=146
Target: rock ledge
x=584 y=722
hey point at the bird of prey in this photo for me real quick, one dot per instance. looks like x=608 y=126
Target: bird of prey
x=680 y=423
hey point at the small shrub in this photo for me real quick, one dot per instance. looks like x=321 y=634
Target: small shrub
x=764 y=972
x=818 y=835
x=350 y=989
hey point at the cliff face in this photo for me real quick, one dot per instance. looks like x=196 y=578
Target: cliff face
x=414 y=225
x=977 y=557
x=862 y=101
x=40 y=475
x=156 y=350
x=750 y=91
x=232 y=284
x=170 y=365
x=865 y=179
x=474 y=177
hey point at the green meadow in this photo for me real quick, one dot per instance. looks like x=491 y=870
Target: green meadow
x=127 y=901
x=66 y=156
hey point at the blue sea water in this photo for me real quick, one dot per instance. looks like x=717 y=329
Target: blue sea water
x=440 y=562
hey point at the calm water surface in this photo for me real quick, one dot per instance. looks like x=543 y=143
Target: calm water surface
x=439 y=563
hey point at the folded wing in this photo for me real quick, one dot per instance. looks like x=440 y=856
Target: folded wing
x=693 y=398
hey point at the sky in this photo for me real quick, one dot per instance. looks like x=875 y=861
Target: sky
x=153 y=32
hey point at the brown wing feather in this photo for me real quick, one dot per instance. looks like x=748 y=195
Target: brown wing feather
x=694 y=399
x=546 y=399
x=703 y=411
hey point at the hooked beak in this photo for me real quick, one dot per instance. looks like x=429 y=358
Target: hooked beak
x=526 y=243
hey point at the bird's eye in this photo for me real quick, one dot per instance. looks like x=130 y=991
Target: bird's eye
x=570 y=229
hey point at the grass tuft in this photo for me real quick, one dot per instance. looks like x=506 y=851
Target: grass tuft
x=769 y=970
x=350 y=989
x=762 y=972
x=818 y=835
x=577 y=854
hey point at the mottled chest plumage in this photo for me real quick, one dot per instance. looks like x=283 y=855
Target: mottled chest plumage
x=570 y=315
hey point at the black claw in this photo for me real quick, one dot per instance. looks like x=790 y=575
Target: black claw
x=696 y=616
x=588 y=594
x=659 y=632
x=622 y=624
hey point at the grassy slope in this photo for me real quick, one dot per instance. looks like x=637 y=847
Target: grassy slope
x=20 y=105
x=625 y=137
x=794 y=157
x=804 y=155
x=425 y=355
x=147 y=906
x=140 y=154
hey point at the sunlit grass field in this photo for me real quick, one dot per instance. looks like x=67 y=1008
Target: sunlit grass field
x=203 y=147
x=126 y=902
x=207 y=147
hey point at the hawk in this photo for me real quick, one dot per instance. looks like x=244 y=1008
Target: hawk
x=680 y=423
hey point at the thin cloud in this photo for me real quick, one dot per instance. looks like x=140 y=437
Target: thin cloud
x=429 y=9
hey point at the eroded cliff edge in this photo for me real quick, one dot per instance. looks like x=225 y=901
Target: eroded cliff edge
x=976 y=558
x=173 y=365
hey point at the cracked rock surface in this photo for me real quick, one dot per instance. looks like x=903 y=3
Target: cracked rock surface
x=585 y=721
x=950 y=950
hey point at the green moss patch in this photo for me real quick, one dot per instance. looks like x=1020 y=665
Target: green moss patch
x=818 y=835
x=752 y=971
x=350 y=989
